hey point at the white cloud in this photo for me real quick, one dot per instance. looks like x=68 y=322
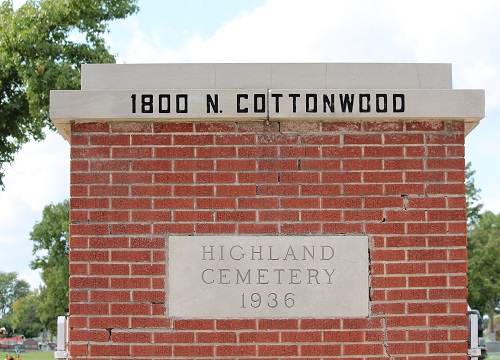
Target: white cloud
x=38 y=176
x=40 y=173
x=136 y=46
x=291 y=31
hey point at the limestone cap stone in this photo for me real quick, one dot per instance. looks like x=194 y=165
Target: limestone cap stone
x=266 y=92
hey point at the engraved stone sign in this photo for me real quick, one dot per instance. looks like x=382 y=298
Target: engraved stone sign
x=267 y=276
x=272 y=92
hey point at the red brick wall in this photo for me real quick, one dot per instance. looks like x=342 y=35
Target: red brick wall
x=400 y=183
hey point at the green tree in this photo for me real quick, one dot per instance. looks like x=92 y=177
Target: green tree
x=474 y=207
x=46 y=317
x=51 y=247
x=484 y=264
x=24 y=315
x=6 y=322
x=11 y=289
x=37 y=55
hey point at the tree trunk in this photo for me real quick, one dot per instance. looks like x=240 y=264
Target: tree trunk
x=491 y=324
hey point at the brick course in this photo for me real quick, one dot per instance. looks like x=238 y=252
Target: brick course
x=401 y=183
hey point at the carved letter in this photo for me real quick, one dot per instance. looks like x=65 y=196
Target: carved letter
x=203 y=276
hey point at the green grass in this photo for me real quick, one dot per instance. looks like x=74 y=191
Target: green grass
x=495 y=356
x=35 y=355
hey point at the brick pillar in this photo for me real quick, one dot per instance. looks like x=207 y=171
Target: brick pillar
x=402 y=183
x=398 y=182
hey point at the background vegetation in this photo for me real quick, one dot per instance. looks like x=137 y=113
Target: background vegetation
x=39 y=53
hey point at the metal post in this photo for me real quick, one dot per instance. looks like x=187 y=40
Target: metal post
x=474 y=350
x=62 y=338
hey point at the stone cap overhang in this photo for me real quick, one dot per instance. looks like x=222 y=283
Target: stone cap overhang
x=267 y=92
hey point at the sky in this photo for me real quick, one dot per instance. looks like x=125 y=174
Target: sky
x=463 y=33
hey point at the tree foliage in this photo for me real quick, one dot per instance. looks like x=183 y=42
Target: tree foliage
x=37 y=54
x=484 y=264
x=11 y=289
x=25 y=319
x=51 y=247
x=474 y=207
x=6 y=322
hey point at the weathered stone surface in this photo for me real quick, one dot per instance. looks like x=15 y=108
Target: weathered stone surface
x=267 y=276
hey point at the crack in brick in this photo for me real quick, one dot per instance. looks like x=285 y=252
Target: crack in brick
x=405 y=201
x=386 y=339
x=109 y=333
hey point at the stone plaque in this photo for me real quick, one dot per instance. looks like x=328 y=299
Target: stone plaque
x=267 y=276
